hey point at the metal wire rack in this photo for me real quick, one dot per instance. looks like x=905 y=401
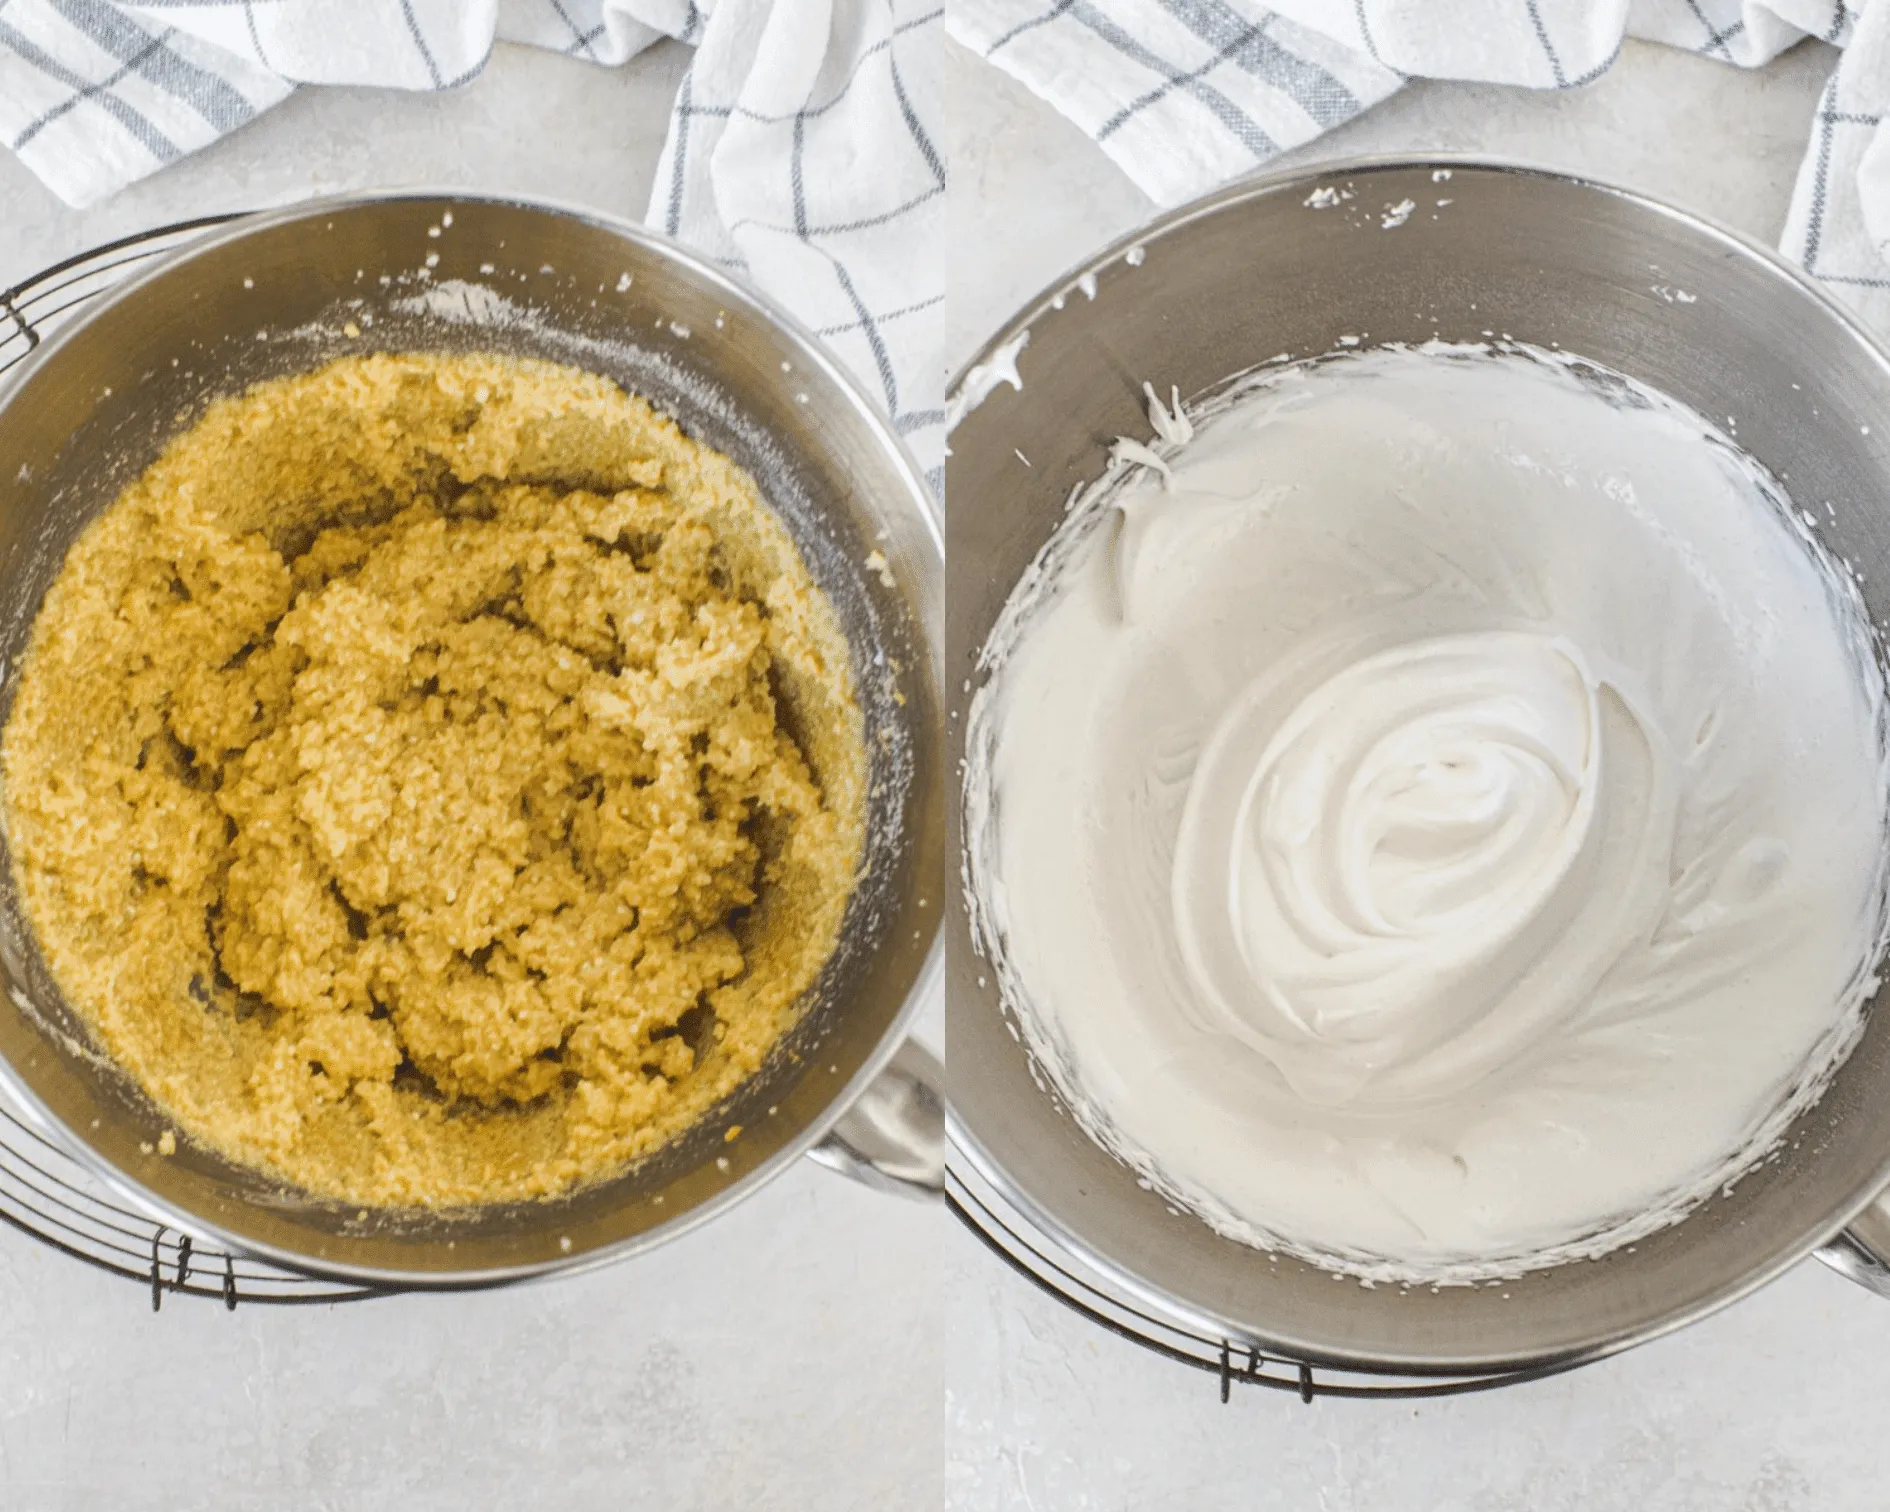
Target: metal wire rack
x=35 y=308
x=44 y=1190
x=1035 y=1255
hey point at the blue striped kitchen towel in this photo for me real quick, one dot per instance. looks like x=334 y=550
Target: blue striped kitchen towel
x=1186 y=94
x=805 y=148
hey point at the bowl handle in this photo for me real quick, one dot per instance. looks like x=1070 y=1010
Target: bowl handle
x=1862 y=1251
x=893 y=1137
x=1851 y=1258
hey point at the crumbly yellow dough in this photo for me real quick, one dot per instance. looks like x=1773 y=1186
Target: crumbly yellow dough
x=436 y=779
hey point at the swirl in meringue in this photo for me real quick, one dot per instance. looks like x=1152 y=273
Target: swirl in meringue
x=1423 y=866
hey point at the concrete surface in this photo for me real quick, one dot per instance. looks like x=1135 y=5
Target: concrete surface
x=786 y=1359
x=1774 y=1406
x=532 y=123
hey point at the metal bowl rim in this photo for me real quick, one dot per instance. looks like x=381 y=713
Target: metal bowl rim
x=1260 y=185
x=963 y=1143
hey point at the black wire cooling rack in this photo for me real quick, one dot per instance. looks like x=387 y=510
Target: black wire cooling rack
x=44 y=1190
x=1014 y=1238
x=35 y=308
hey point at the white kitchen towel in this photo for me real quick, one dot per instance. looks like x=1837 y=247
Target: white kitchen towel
x=803 y=151
x=1185 y=94
x=1182 y=94
x=1839 y=225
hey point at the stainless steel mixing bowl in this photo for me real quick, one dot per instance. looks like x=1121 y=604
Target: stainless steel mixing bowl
x=282 y=292
x=1291 y=265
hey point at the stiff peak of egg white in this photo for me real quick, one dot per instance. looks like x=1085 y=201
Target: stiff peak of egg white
x=1396 y=880
x=1432 y=818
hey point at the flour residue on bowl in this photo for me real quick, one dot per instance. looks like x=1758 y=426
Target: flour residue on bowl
x=461 y=303
x=1426 y=811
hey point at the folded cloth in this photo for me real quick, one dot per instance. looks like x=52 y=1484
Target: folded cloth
x=1185 y=94
x=1839 y=224
x=803 y=149
x=1182 y=94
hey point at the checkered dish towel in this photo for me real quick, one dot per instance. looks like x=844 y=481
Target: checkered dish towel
x=803 y=151
x=1185 y=94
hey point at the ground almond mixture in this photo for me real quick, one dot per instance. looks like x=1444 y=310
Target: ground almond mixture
x=436 y=778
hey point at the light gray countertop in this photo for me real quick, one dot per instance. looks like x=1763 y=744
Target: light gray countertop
x=1773 y=1406
x=784 y=1359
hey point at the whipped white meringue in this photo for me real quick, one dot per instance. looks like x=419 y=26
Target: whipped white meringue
x=1432 y=819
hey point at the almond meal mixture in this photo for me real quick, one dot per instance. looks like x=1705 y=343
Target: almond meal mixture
x=436 y=779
